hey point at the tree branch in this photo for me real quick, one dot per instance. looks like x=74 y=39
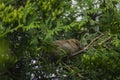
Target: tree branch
x=106 y=40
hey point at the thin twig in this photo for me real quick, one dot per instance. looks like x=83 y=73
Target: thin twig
x=106 y=40
x=70 y=69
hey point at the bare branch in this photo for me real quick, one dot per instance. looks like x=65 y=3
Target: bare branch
x=106 y=40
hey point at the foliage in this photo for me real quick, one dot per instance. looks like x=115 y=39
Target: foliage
x=29 y=27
